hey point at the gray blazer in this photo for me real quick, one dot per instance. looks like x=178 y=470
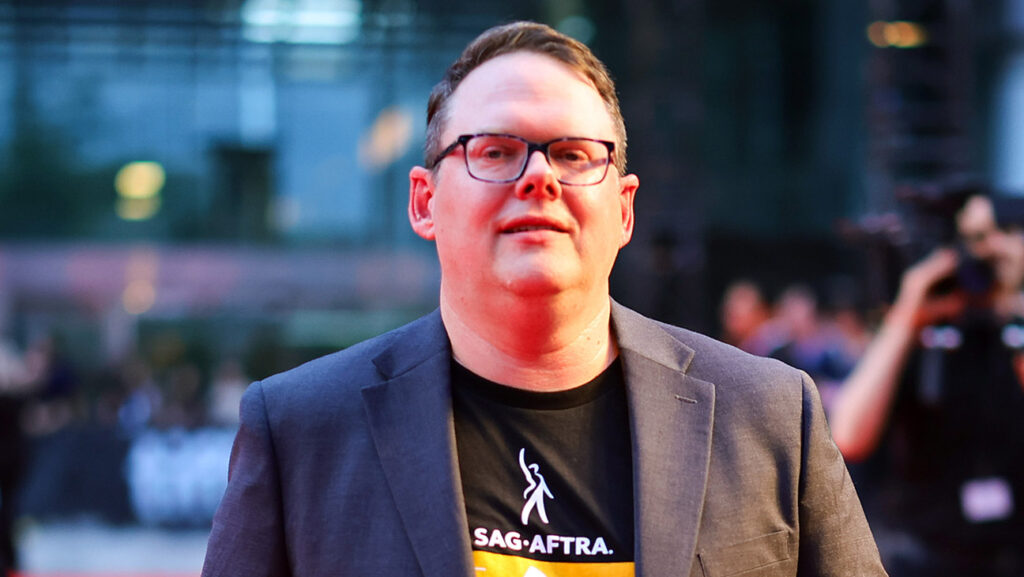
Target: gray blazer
x=347 y=465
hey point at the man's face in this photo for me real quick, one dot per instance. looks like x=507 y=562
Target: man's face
x=1002 y=250
x=534 y=236
x=976 y=224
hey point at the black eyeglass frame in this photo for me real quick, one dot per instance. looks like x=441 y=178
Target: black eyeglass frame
x=531 y=147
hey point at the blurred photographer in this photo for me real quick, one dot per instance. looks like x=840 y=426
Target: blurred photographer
x=936 y=405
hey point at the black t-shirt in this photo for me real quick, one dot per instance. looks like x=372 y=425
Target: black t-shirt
x=547 y=477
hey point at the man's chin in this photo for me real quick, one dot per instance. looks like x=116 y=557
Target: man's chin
x=531 y=288
x=535 y=283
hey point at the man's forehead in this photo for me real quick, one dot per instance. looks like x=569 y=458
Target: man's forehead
x=513 y=83
x=507 y=65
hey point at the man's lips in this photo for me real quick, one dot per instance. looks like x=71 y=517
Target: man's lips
x=530 y=229
x=531 y=225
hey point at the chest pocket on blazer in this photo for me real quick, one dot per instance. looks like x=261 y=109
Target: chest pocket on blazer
x=752 y=557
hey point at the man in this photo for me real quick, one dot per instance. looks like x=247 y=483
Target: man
x=19 y=380
x=744 y=316
x=937 y=402
x=531 y=426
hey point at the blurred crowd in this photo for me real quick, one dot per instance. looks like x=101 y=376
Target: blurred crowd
x=137 y=442
x=51 y=393
x=825 y=340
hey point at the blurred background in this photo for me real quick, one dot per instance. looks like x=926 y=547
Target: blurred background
x=195 y=194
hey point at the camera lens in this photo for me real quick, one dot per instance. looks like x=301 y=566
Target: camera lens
x=973 y=275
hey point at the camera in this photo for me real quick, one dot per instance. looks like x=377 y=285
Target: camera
x=931 y=214
x=926 y=219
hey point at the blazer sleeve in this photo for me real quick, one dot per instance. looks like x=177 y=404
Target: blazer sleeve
x=834 y=535
x=247 y=536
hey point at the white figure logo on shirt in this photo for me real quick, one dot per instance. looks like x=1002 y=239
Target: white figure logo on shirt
x=534 y=494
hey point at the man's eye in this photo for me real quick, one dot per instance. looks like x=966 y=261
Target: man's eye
x=495 y=153
x=572 y=156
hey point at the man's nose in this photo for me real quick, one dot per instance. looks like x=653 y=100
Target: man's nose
x=538 y=178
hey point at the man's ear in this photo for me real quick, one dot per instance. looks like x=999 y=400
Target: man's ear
x=627 y=194
x=421 y=202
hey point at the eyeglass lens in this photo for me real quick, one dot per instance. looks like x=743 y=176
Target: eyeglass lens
x=504 y=158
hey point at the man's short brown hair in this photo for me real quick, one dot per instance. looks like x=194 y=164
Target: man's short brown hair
x=523 y=37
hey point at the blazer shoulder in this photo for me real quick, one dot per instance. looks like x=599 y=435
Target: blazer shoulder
x=755 y=397
x=722 y=363
x=347 y=371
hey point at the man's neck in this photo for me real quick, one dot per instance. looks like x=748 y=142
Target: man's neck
x=546 y=344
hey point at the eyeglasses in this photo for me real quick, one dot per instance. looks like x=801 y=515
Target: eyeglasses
x=502 y=158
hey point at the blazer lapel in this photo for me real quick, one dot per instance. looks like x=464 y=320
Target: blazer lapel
x=671 y=416
x=410 y=417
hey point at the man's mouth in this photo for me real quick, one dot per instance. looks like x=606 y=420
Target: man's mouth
x=532 y=224
x=530 y=228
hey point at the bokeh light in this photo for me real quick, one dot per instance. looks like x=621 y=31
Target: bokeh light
x=897 y=34
x=138 y=185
